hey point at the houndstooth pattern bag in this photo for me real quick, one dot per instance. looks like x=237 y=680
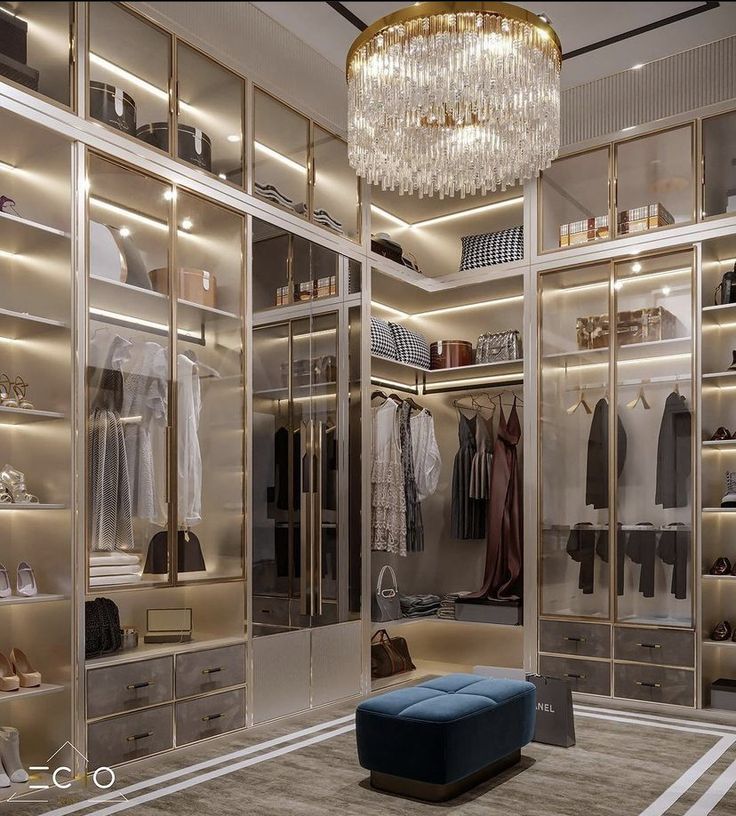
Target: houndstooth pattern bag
x=492 y=248
x=411 y=347
x=498 y=347
x=382 y=339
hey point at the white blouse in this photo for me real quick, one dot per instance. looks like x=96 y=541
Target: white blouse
x=426 y=454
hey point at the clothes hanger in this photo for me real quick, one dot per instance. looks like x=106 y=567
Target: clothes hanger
x=202 y=367
x=640 y=398
x=581 y=403
x=377 y=394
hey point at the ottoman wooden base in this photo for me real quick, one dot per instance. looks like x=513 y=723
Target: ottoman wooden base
x=430 y=792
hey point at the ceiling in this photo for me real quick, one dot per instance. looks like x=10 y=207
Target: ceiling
x=578 y=25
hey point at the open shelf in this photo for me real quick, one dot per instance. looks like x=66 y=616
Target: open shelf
x=29 y=506
x=718 y=444
x=723 y=644
x=22 y=693
x=719 y=510
x=719 y=378
x=148 y=650
x=18 y=416
x=18 y=324
x=20 y=600
x=15 y=222
x=435 y=621
x=709 y=577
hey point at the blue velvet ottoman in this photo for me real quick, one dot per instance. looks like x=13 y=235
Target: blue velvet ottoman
x=440 y=738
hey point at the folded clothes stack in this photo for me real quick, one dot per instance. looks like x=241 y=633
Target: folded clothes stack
x=272 y=193
x=326 y=220
x=420 y=606
x=447 y=605
x=106 y=569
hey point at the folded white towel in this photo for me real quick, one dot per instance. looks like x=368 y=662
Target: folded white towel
x=116 y=559
x=127 y=569
x=109 y=580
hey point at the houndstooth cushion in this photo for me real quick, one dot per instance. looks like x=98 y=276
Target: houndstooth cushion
x=411 y=347
x=382 y=339
x=492 y=248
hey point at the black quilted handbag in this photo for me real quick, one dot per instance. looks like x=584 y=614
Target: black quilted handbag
x=102 y=633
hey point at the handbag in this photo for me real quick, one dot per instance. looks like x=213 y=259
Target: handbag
x=389 y=655
x=102 y=632
x=555 y=715
x=385 y=604
x=498 y=347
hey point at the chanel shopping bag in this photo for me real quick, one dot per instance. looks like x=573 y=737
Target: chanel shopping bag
x=555 y=717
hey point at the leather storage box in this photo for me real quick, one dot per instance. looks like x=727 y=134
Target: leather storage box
x=18 y=72
x=723 y=694
x=637 y=326
x=113 y=106
x=195 y=285
x=640 y=219
x=450 y=354
x=388 y=249
x=194 y=145
x=14 y=38
x=506 y=614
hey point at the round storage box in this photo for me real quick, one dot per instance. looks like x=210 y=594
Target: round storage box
x=450 y=354
x=194 y=145
x=111 y=105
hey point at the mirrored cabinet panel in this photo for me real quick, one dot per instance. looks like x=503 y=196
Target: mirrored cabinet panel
x=36 y=47
x=654 y=446
x=129 y=86
x=280 y=154
x=719 y=165
x=655 y=181
x=210 y=390
x=210 y=115
x=574 y=200
x=575 y=567
x=128 y=374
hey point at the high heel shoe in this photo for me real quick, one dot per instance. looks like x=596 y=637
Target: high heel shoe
x=25 y=582
x=27 y=675
x=15 y=482
x=19 y=388
x=10 y=754
x=6 y=400
x=5 y=589
x=9 y=680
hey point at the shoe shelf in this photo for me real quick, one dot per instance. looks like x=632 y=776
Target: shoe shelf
x=19 y=324
x=19 y=416
x=44 y=688
x=717 y=444
x=13 y=506
x=719 y=510
x=16 y=224
x=718 y=378
x=709 y=577
x=729 y=644
x=20 y=600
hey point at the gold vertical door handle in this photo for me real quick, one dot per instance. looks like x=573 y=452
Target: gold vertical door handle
x=317 y=566
x=305 y=515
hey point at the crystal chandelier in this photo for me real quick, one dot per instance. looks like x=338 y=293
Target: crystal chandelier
x=454 y=98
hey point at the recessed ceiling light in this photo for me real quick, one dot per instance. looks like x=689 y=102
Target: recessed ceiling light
x=124 y=232
x=187 y=224
x=636 y=268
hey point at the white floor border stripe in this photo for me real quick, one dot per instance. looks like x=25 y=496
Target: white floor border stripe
x=715 y=793
x=201 y=766
x=650 y=724
x=663 y=803
x=658 y=717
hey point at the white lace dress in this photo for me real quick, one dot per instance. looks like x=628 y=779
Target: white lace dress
x=388 y=501
x=190 y=454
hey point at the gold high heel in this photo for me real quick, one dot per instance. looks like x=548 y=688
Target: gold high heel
x=26 y=674
x=15 y=482
x=6 y=401
x=9 y=681
x=19 y=387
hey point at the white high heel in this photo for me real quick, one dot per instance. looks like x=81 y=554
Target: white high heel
x=25 y=582
x=5 y=589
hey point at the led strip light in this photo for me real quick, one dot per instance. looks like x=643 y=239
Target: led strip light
x=144 y=324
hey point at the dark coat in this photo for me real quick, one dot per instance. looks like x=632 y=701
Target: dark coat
x=596 y=486
x=674 y=453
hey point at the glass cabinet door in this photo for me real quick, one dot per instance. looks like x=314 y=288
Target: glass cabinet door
x=719 y=167
x=128 y=376
x=314 y=270
x=654 y=495
x=655 y=181
x=574 y=428
x=129 y=70
x=210 y=390
x=36 y=52
x=574 y=200
x=336 y=203
x=210 y=115
x=281 y=154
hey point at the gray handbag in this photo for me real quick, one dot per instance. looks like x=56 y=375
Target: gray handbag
x=498 y=347
x=385 y=604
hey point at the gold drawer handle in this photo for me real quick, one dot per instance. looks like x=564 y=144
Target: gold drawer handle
x=648 y=685
x=650 y=645
x=577 y=639
x=144 y=684
x=211 y=717
x=213 y=670
x=135 y=737
x=577 y=676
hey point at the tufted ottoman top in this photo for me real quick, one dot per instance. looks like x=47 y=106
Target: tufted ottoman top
x=448 y=698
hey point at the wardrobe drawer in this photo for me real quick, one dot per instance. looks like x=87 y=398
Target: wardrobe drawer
x=586 y=639
x=654 y=684
x=270 y=610
x=200 y=672
x=116 y=689
x=130 y=736
x=587 y=676
x=210 y=716
x=664 y=647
